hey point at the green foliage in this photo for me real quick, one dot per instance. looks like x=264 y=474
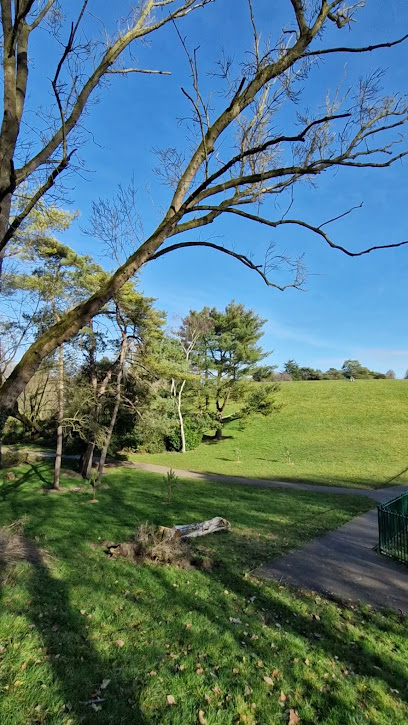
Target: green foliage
x=292 y=368
x=194 y=428
x=170 y=481
x=264 y=374
x=354 y=369
x=261 y=400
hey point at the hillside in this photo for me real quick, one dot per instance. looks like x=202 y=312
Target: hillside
x=329 y=432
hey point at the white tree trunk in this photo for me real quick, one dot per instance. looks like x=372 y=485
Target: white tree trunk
x=189 y=531
x=60 y=418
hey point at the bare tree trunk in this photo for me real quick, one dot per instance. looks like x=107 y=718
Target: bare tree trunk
x=180 y=415
x=60 y=418
x=87 y=460
x=115 y=410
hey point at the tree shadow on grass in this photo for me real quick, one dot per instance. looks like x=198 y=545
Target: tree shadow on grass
x=79 y=670
x=302 y=634
x=9 y=487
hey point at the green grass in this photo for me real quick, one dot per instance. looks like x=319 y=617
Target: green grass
x=61 y=622
x=337 y=433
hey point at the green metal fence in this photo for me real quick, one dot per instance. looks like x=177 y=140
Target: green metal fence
x=393 y=528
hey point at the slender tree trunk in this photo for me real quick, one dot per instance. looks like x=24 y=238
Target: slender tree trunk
x=180 y=415
x=60 y=418
x=88 y=460
x=115 y=410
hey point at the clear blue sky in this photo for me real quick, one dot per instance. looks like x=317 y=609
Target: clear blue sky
x=353 y=308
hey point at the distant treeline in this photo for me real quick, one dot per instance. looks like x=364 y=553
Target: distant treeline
x=351 y=370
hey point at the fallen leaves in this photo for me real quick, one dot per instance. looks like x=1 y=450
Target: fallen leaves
x=294 y=718
x=171 y=700
x=269 y=681
x=282 y=697
x=201 y=718
x=120 y=643
x=104 y=684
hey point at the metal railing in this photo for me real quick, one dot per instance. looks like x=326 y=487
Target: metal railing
x=393 y=528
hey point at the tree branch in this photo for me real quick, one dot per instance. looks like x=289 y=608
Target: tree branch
x=18 y=220
x=41 y=15
x=364 y=49
x=316 y=229
x=259 y=269
x=123 y=71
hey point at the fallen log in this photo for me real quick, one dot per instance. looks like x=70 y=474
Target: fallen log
x=189 y=531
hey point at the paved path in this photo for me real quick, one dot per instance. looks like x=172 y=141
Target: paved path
x=380 y=494
x=343 y=564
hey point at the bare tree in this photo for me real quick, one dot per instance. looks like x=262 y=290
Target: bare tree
x=34 y=156
x=192 y=328
x=239 y=160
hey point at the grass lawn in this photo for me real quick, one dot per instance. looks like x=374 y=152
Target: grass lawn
x=88 y=639
x=328 y=432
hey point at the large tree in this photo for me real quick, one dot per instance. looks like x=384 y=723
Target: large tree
x=228 y=354
x=239 y=160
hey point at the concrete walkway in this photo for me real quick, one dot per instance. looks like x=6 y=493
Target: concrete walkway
x=379 y=494
x=343 y=564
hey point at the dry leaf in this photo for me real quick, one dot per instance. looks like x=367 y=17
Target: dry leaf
x=199 y=671
x=307 y=661
x=296 y=660
x=207 y=698
x=294 y=718
x=201 y=718
x=260 y=663
x=268 y=680
x=24 y=666
x=235 y=671
x=170 y=700
x=182 y=668
x=216 y=690
x=153 y=673
x=234 y=620
x=275 y=673
x=188 y=625
x=120 y=643
x=282 y=697
x=104 y=685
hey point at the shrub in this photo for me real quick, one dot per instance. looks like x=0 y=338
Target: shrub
x=193 y=431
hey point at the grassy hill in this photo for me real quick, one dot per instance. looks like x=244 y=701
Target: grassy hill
x=328 y=432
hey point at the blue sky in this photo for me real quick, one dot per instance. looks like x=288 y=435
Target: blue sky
x=352 y=308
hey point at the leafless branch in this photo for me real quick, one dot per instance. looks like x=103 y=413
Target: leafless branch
x=363 y=49
x=259 y=269
x=123 y=71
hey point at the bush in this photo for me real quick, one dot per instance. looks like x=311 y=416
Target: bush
x=14 y=458
x=193 y=431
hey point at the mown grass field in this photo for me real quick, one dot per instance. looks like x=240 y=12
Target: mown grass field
x=86 y=639
x=328 y=432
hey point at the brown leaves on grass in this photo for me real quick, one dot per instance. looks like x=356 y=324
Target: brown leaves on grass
x=294 y=718
x=201 y=718
x=171 y=700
